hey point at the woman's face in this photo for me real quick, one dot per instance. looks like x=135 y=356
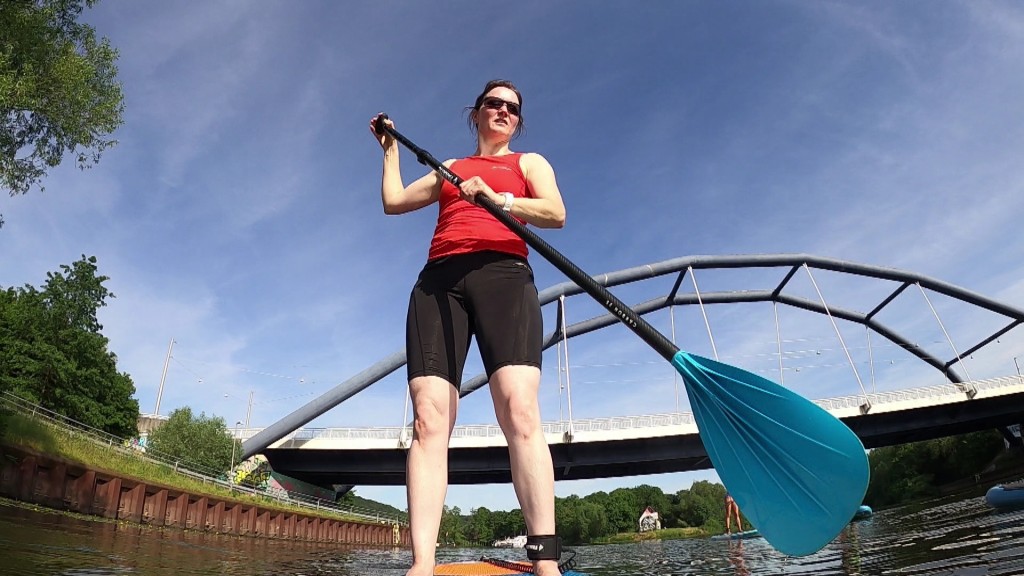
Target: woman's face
x=498 y=114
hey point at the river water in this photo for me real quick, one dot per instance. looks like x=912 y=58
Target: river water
x=954 y=536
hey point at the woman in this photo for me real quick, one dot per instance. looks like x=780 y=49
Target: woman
x=731 y=511
x=477 y=282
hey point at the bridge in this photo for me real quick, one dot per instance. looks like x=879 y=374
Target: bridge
x=634 y=445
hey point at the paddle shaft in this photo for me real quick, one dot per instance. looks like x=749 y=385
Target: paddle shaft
x=627 y=315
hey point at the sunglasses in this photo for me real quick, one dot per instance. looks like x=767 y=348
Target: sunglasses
x=496 y=103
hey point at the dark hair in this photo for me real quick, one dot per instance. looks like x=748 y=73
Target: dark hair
x=497 y=83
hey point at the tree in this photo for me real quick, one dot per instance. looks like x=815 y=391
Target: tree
x=450 y=532
x=508 y=523
x=201 y=443
x=52 y=352
x=580 y=520
x=623 y=510
x=702 y=505
x=59 y=92
x=907 y=472
x=481 y=526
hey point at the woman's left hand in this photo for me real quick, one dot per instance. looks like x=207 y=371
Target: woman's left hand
x=476 y=185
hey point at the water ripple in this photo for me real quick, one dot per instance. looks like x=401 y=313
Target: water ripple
x=956 y=536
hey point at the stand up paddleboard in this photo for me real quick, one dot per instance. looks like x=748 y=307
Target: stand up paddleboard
x=737 y=535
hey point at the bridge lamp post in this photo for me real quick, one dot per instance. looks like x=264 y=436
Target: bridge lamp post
x=248 y=412
x=234 y=443
x=1018 y=367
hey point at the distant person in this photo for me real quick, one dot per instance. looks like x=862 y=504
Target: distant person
x=477 y=282
x=731 y=510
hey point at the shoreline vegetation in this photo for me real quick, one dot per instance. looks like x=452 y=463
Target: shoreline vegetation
x=35 y=435
x=662 y=534
x=599 y=518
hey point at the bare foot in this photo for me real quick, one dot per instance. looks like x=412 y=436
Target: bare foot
x=546 y=568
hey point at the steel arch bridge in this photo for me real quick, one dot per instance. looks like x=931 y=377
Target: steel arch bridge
x=790 y=264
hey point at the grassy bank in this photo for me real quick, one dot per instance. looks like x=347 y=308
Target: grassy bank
x=34 y=435
x=666 y=534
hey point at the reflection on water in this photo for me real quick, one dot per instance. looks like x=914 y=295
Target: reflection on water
x=737 y=558
x=958 y=536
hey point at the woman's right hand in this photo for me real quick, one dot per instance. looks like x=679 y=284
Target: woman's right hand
x=385 y=139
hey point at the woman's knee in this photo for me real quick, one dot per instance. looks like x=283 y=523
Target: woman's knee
x=429 y=422
x=432 y=409
x=520 y=418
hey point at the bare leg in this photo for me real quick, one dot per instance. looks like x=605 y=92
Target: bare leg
x=514 y=393
x=435 y=403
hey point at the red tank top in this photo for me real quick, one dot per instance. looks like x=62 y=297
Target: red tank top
x=463 y=227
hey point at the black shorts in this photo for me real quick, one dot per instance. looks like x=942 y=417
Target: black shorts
x=487 y=294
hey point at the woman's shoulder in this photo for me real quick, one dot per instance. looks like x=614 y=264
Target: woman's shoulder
x=532 y=159
x=534 y=162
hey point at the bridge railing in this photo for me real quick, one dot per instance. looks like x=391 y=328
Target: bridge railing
x=606 y=424
x=918 y=393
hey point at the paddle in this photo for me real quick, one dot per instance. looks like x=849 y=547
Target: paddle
x=797 y=472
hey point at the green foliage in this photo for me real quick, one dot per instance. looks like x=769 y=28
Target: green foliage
x=351 y=500
x=703 y=505
x=52 y=352
x=451 y=530
x=507 y=523
x=908 y=472
x=579 y=521
x=59 y=92
x=201 y=443
x=599 y=516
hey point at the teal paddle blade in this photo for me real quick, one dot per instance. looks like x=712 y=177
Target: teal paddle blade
x=796 y=472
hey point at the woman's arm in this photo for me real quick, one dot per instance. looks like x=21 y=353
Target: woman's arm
x=399 y=199
x=545 y=209
x=394 y=195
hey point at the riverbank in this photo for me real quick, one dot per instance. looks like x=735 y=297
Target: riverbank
x=664 y=534
x=59 y=484
x=56 y=467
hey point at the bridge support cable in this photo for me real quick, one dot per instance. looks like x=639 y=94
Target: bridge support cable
x=866 y=406
x=968 y=389
x=778 y=339
x=405 y=436
x=675 y=373
x=570 y=433
x=693 y=276
x=559 y=335
x=871 y=358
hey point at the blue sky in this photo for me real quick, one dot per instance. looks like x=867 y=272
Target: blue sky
x=240 y=212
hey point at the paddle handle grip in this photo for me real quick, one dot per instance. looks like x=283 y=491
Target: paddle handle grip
x=624 y=313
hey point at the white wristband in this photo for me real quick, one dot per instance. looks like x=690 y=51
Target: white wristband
x=509 y=200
